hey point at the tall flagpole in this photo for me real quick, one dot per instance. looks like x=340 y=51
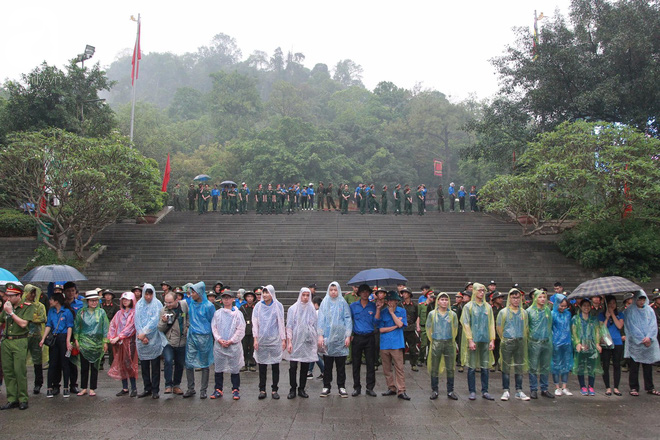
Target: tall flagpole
x=134 y=72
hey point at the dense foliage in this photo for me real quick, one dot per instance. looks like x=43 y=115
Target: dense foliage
x=14 y=223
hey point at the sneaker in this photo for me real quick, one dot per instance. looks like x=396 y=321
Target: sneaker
x=320 y=376
x=505 y=396
x=591 y=391
x=49 y=393
x=487 y=396
x=584 y=391
x=325 y=392
x=566 y=392
x=65 y=393
x=342 y=392
x=521 y=396
x=473 y=396
x=558 y=392
x=235 y=394
x=216 y=394
x=310 y=375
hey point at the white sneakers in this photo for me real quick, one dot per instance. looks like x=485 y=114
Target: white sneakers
x=558 y=392
x=325 y=392
x=565 y=392
x=505 y=396
x=521 y=396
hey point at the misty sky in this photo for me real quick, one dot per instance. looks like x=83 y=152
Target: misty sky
x=442 y=45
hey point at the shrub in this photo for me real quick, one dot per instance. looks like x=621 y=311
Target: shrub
x=14 y=223
x=630 y=249
x=43 y=256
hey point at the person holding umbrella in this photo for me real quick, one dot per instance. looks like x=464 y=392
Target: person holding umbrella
x=641 y=343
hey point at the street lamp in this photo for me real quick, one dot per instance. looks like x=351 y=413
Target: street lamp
x=89 y=52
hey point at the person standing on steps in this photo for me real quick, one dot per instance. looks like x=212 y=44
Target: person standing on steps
x=345 y=198
x=452 y=196
x=397 y=199
x=383 y=200
x=441 y=198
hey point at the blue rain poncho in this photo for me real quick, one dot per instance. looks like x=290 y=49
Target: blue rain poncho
x=91 y=331
x=561 y=322
x=335 y=323
x=301 y=330
x=228 y=325
x=641 y=323
x=199 y=347
x=268 y=330
x=147 y=315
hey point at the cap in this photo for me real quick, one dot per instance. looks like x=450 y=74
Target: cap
x=211 y=293
x=468 y=292
x=91 y=294
x=492 y=282
x=228 y=293
x=628 y=295
x=393 y=295
x=136 y=288
x=13 y=289
x=58 y=286
x=249 y=293
x=405 y=289
x=178 y=289
x=312 y=286
x=500 y=294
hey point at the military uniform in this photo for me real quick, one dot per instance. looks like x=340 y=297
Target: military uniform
x=14 y=351
x=192 y=195
x=243 y=197
x=200 y=200
x=374 y=206
x=410 y=335
x=420 y=201
x=320 y=200
x=248 y=339
x=36 y=327
x=176 y=197
x=383 y=200
x=345 y=196
x=397 y=200
x=407 y=202
x=423 y=311
x=330 y=197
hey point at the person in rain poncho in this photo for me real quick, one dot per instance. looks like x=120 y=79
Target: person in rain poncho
x=269 y=338
x=641 y=343
x=441 y=331
x=199 y=348
x=301 y=334
x=585 y=330
x=539 y=344
x=562 y=348
x=121 y=335
x=91 y=333
x=32 y=294
x=478 y=339
x=150 y=341
x=512 y=327
x=228 y=328
x=334 y=337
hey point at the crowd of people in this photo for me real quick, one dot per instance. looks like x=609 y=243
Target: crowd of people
x=292 y=198
x=232 y=332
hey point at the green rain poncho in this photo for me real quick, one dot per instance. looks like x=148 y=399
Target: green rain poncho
x=479 y=325
x=441 y=331
x=513 y=327
x=539 y=342
x=38 y=355
x=587 y=333
x=91 y=331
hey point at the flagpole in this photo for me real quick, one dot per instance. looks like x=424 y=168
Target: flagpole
x=136 y=56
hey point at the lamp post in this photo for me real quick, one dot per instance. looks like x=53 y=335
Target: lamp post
x=89 y=52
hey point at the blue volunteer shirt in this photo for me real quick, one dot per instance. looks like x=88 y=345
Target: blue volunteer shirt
x=215 y=192
x=59 y=322
x=391 y=340
x=364 y=318
x=77 y=304
x=615 y=333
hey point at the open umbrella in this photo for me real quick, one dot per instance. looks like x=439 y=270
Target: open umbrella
x=603 y=286
x=378 y=277
x=228 y=183
x=202 y=177
x=53 y=273
x=7 y=277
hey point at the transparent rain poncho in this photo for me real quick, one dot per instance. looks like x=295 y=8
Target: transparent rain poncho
x=199 y=347
x=513 y=328
x=38 y=323
x=441 y=330
x=301 y=330
x=335 y=323
x=641 y=323
x=268 y=330
x=228 y=325
x=479 y=325
x=91 y=331
x=122 y=326
x=587 y=333
x=539 y=342
x=147 y=315
x=562 y=359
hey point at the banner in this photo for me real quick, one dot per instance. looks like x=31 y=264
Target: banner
x=437 y=168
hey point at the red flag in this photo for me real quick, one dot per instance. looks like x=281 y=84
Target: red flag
x=166 y=176
x=137 y=55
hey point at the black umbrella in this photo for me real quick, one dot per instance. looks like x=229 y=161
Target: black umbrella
x=377 y=277
x=603 y=286
x=53 y=273
x=229 y=183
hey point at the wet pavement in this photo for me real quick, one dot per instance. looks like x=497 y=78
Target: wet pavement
x=172 y=417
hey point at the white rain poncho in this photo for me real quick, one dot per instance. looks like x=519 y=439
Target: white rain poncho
x=147 y=315
x=301 y=330
x=228 y=325
x=268 y=330
x=335 y=323
x=641 y=323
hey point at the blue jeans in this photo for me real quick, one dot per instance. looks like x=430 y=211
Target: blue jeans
x=543 y=378
x=173 y=357
x=235 y=381
x=556 y=378
x=506 y=379
x=319 y=363
x=472 y=381
x=124 y=383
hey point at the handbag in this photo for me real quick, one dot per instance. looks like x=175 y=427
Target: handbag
x=49 y=340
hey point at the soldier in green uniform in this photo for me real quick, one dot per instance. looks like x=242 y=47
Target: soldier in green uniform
x=243 y=196
x=258 y=199
x=192 y=195
x=268 y=199
x=363 y=198
x=375 y=207
x=200 y=200
x=291 y=197
x=424 y=308
x=420 y=200
x=397 y=199
x=320 y=200
x=407 y=201
x=330 y=197
x=345 y=196
x=206 y=196
x=32 y=295
x=411 y=331
x=176 y=197
x=383 y=200
x=16 y=315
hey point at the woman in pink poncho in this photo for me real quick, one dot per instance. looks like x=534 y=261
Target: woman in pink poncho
x=122 y=337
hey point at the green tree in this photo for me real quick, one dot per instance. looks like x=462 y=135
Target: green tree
x=89 y=183
x=235 y=103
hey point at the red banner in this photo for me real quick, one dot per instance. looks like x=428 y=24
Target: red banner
x=437 y=168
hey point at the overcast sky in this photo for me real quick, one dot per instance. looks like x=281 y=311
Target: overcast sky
x=442 y=45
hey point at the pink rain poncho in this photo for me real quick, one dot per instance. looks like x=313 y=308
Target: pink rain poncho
x=122 y=326
x=268 y=329
x=301 y=330
x=228 y=325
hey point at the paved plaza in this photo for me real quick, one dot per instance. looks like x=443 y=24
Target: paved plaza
x=172 y=417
